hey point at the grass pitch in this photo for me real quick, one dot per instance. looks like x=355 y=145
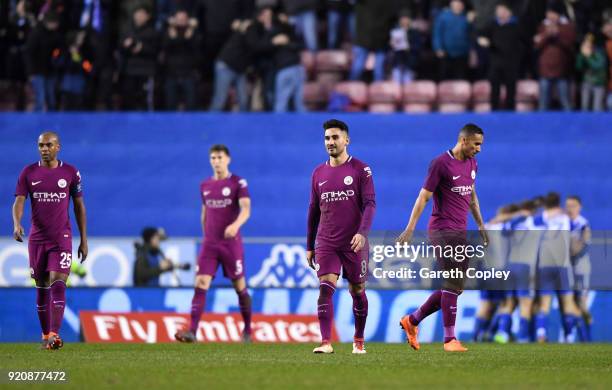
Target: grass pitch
x=275 y=366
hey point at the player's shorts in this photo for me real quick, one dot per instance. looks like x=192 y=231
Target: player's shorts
x=352 y=266
x=456 y=240
x=228 y=253
x=551 y=279
x=48 y=257
x=492 y=295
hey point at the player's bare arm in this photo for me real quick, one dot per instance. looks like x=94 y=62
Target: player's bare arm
x=18 y=205
x=245 y=212
x=475 y=208
x=81 y=219
x=417 y=210
x=203 y=218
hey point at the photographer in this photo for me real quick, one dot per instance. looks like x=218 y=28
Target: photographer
x=150 y=260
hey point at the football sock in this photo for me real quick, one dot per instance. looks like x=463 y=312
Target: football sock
x=480 y=328
x=504 y=325
x=58 y=303
x=541 y=326
x=360 y=311
x=244 y=301
x=449 y=313
x=197 y=306
x=523 y=335
x=42 y=307
x=431 y=305
x=325 y=310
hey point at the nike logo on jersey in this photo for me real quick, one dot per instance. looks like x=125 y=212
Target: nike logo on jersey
x=206 y=193
x=456 y=177
x=323 y=182
x=36 y=182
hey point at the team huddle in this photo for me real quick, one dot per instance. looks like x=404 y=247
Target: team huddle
x=340 y=215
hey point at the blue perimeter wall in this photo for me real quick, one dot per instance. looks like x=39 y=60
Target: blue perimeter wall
x=144 y=169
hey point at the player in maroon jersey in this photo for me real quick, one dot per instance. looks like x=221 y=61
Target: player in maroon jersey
x=451 y=182
x=342 y=205
x=226 y=206
x=50 y=183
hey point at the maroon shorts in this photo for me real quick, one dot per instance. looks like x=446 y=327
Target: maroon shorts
x=48 y=257
x=353 y=266
x=451 y=258
x=228 y=253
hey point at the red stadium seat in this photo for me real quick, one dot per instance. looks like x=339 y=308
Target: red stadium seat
x=481 y=96
x=332 y=61
x=357 y=91
x=308 y=62
x=419 y=96
x=527 y=92
x=384 y=96
x=454 y=95
x=315 y=96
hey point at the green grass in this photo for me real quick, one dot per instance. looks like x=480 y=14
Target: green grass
x=279 y=366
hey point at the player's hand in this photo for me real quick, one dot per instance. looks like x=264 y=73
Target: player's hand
x=358 y=242
x=83 y=251
x=311 y=259
x=405 y=237
x=484 y=235
x=230 y=231
x=18 y=233
x=166 y=265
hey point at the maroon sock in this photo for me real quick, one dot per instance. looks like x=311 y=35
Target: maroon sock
x=197 y=306
x=431 y=305
x=325 y=310
x=244 y=301
x=360 y=311
x=449 y=313
x=42 y=306
x=58 y=303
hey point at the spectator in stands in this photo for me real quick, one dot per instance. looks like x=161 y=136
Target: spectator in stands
x=303 y=16
x=290 y=74
x=42 y=50
x=374 y=20
x=19 y=27
x=231 y=67
x=607 y=30
x=340 y=15
x=555 y=42
x=451 y=41
x=168 y=8
x=138 y=59
x=406 y=45
x=150 y=260
x=591 y=64
x=259 y=40
x=180 y=47
x=505 y=42
x=75 y=68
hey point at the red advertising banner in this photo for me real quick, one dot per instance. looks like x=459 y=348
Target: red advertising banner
x=160 y=327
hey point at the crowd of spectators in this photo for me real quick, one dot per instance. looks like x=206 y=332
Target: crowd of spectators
x=206 y=54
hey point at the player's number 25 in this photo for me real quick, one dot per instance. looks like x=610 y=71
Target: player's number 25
x=66 y=260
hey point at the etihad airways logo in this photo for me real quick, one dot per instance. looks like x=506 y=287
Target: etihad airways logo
x=49 y=197
x=218 y=203
x=335 y=196
x=462 y=190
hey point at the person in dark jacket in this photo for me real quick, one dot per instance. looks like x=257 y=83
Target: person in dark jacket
x=150 y=260
x=451 y=41
x=19 y=28
x=139 y=57
x=179 y=47
x=42 y=51
x=340 y=14
x=506 y=43
x=406 y=43
x=374 y=19
x=75 y=68
x=303 y=16
x=290 y=74
x=231 y=67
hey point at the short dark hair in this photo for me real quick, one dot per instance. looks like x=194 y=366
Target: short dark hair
x=529 y=205
x=509 y=208
x=148 y=233
x=552 y=199
x=219 y=148
x=470 y=129
x=576 y=198
x=335 y=124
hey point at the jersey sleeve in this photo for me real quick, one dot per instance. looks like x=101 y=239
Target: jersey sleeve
x=243 y=189
x=368 y=200
x=434 y=174
x=314 y=215
x=22 y=184
x=76 y=187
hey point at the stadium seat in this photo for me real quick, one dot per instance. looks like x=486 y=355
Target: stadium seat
x=315 y=96
x=308 y=62
x=454 y=95
x=527 y=92
x=332 y=61
x=481 y=96
x=419 y=96
x=384 y=96
x=357 y=92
